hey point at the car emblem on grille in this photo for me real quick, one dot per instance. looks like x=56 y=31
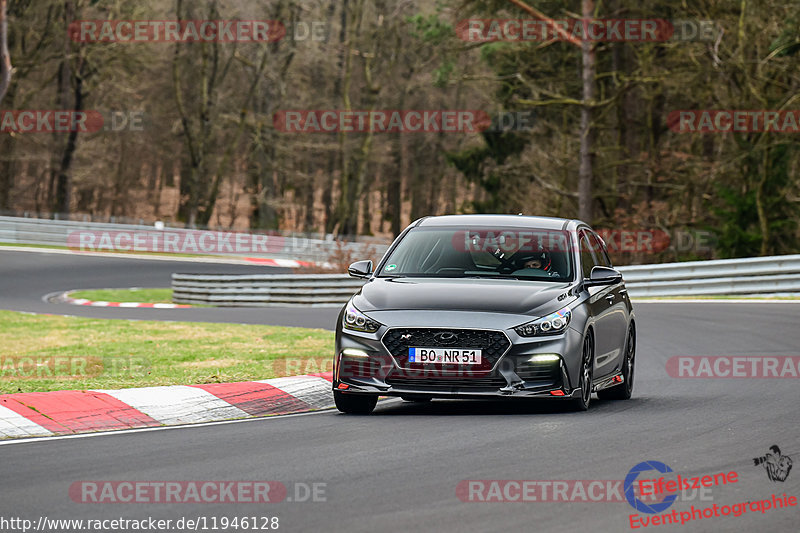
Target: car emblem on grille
x=446 y=337
x=405 y=337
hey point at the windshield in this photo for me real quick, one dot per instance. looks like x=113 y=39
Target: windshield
x=515 y=253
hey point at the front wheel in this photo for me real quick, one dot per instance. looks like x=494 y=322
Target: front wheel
x=624 y=390
x=585 y=382
x=355 y=404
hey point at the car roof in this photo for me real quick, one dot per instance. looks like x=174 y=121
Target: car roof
x=519 y=221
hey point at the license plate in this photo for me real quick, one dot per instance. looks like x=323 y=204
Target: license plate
x=461 y=356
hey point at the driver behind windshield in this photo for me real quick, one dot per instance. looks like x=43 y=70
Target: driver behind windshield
x=539 y=261
x=533 y=263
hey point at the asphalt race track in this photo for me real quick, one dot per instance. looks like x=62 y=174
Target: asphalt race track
x=398 y=469
x=26 y=278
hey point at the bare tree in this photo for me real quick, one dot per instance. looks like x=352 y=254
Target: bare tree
x=5 y=57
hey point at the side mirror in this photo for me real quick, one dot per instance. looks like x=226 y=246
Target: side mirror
x=360 y=269
x=603 y=276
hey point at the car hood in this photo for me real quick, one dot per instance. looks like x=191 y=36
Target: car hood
x=493 y=296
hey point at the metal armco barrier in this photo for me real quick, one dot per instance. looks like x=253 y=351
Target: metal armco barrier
x=758 y=276
x=264 y=290
x=755 y=276
x=294 y=246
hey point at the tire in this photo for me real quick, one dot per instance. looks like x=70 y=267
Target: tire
x=587 y=372
x=355 y=404
x=624 y=390
x=417 y=399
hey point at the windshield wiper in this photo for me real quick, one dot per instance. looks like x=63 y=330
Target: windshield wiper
x=490 y=276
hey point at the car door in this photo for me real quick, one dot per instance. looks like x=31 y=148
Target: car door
x=601 y=303
x=618 y=312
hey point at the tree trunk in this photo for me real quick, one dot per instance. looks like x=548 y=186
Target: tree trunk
x=64 y=180
x=327 y=194
x=309 y=220
x=7 y=166
x=763 y=223
x=71 y=77
x=5 y=57
x=394 y=186
x=588 y=75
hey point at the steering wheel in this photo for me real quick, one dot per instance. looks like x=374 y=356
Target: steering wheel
x=506 y=265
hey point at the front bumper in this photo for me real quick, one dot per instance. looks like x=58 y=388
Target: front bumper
x=364 y=365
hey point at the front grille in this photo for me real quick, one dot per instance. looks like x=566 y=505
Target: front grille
x=545 y=371
x=492 y=343
x=439 y=383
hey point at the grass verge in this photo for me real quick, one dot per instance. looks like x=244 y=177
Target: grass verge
x=46 y=353
x=154 y=296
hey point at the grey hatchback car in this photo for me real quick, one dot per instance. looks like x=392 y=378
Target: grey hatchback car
x=487 y=306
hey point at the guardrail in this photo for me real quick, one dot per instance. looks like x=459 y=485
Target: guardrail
x=263 y=290
x=758 y=276
x=283 y=245
x=754 y=276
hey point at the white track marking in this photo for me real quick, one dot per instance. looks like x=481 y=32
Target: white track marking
x=162 y=428
x=177 y=404
x=13 y=424
x=313 y=390
x=122 y=432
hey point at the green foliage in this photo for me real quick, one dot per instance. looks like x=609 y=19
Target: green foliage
x=788 y=42
x=434 y=34
x=737 y=231
x=441 y=75
x=472 y=162
x=430 y=29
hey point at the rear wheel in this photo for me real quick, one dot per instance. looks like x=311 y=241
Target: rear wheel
x=624 y=390
x=585 y=380
x=355 y=404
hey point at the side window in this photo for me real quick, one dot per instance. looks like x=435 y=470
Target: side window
x=587 y=257
x=600 y=250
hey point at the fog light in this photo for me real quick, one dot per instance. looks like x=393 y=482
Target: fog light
x=354 y=352
x=544 y=358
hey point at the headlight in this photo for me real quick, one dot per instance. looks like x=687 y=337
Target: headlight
x=357 y=321
x=553 y=324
